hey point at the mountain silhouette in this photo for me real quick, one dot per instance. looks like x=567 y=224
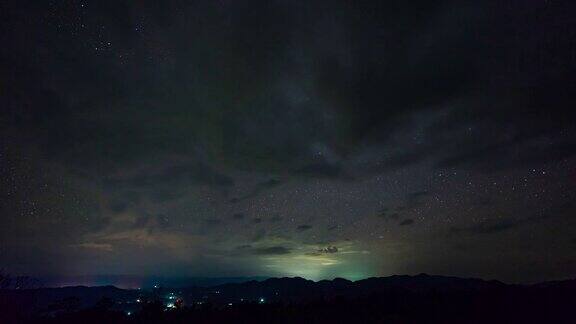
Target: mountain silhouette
x=396 y=299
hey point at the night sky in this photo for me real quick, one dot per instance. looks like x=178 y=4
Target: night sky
x=288 y=138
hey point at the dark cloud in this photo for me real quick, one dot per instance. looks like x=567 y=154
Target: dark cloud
x=271 y=183
x=358 y=95
x=506 y=224
x=488 y=227
x=494 y=157
x=412 y=200
x=408 y=158
x=259 y=235
x=484 y=201
x=118 y=206
x=385 y=213
x=193 y=173
x=257 y=190
x=275 y=219
x=162 y=220
x=162 y=195
x=152 y=222
x=417 y=196
x=406 y=222
x=248 y=249
x=212 y=221
x=302 y=228
x=415 y=76
x=273 y=250
x=321 y=170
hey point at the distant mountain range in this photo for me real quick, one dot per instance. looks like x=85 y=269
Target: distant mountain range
x=226 y=290
x=142 y=282
x=301 y=290
x=394 y=293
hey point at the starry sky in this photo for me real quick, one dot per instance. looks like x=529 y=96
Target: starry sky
x=288 y=138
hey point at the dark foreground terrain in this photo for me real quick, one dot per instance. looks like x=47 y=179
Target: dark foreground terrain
x=396 y=299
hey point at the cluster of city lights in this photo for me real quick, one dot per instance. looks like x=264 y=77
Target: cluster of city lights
x=173 y=301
